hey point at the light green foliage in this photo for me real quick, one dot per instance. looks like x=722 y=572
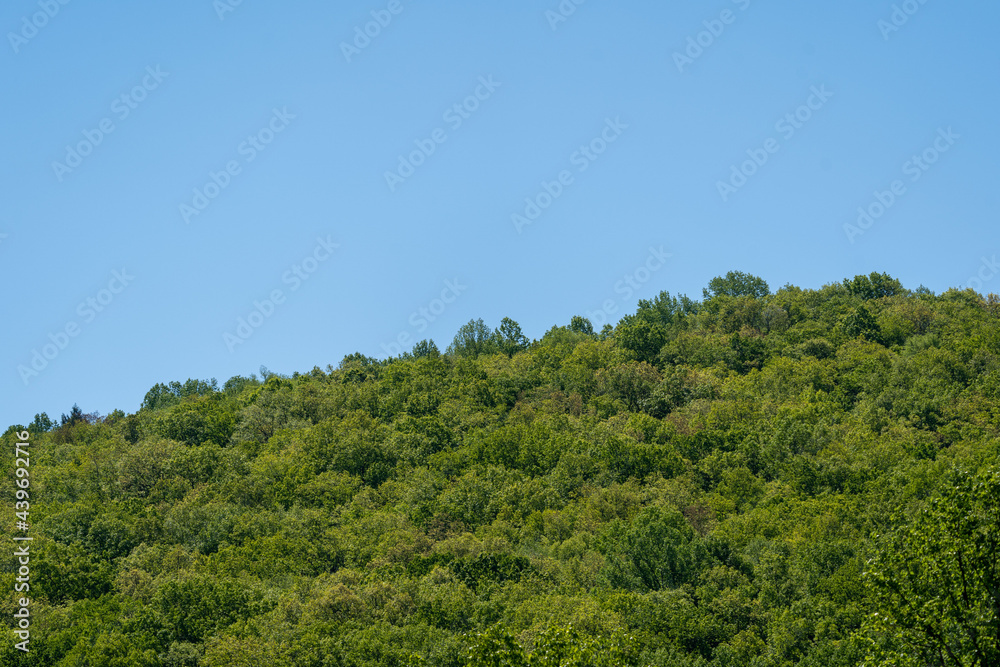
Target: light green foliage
x=556 y=647
x=757 y=479
x=935 y=580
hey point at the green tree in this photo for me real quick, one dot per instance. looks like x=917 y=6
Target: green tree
x=162 y=396
x=658 y=549
x=935 y=581
x=874 y=286
x=75 y=416
x=235 y=385
x=509 y=337
x=774 y=318
x=642 y=338
x=737 y=283
x=666 y=309
x=749 y=352
x=555 y=647
x=425 y=348
x=194 y=606
x=495 y=648
x=473 y=338
x=632 y=382
x=41 y=423
x=861 y=323
x=582 y=325
x=271 y=408
x=201 y=420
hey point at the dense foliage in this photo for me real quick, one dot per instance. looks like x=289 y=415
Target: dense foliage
x=806 y=477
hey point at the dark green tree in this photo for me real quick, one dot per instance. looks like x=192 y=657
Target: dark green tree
x=666 y=309
x=658 y=549
x=582 y=325
x=874 y=286
x=41 y=423
x=641 y=337
x=235 y=385
x=473 y=338
x=425 y=348
x=861 y=323
x=749 y=352
x=207 y=419
x=75 y=416
x=162 y=395
x=509 y=337
x=737 y=283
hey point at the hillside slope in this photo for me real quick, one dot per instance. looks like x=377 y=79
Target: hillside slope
x=806 y=477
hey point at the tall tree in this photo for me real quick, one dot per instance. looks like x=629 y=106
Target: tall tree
x=737 y=283
x=425 y=348
x=510 y=338
x=581 y=324
x=41 y=423
x=75 y=416
x=936 y=581
x=874 y=286
x=473 y=338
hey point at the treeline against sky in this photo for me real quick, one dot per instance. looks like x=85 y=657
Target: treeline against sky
x=758 y=477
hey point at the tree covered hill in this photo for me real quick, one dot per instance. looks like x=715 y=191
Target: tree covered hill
x=805 y=477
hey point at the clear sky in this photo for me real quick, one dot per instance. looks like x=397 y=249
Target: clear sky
x=170 y=167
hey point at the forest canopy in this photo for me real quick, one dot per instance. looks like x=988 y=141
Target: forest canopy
x=768 y=478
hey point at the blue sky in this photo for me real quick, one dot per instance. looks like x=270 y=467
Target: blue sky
x=171 y=167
